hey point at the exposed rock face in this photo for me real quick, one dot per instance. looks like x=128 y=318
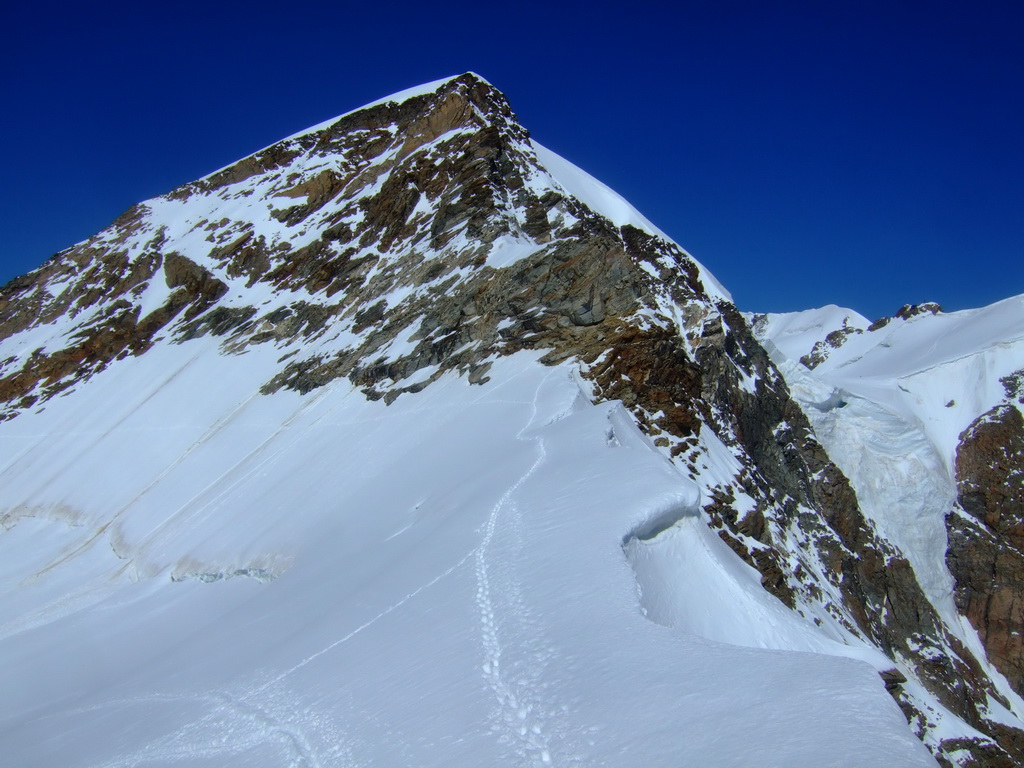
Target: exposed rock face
x=833 y=340
x=410 y=240
x=906 y=312
x=986 y=540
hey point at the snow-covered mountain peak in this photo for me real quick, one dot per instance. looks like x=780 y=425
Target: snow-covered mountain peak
x=407 y=407
x=429 y=193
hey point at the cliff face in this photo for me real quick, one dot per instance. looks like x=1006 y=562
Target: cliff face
x=427 y=237
x=986 y=536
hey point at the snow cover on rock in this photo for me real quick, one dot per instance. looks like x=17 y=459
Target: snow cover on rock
x=605 y=201
x=196 y=572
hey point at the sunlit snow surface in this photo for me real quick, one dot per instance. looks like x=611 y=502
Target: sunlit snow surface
x=940 y=372
x=195 y=574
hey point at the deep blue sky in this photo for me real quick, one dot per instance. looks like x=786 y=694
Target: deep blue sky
x=862 y=154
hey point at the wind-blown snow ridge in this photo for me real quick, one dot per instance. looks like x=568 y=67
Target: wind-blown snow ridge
x=605 y=201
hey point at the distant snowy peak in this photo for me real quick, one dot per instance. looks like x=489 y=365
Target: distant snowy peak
x=920 y=335
x=942 y=370
x=924 y=412
x=809 y=336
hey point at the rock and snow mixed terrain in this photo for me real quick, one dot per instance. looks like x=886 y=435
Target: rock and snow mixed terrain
x=405 y=442
x=922 y=414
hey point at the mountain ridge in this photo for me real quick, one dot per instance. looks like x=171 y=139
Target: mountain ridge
x=380 y=254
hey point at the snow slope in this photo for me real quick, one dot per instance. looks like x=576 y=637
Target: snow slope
x=442 y=582
x=610 y=204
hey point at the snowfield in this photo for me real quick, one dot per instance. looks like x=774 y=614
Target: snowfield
x=939 y=372
x=454 y=579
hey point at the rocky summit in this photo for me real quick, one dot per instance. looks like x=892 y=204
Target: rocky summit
x=404 y=441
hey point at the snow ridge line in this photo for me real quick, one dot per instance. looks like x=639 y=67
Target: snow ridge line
x=515 y=717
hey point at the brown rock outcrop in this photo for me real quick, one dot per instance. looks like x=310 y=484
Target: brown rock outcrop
x=986 y=540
